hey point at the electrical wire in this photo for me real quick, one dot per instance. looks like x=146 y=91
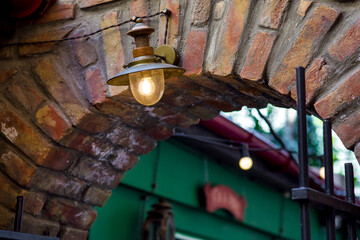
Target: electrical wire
x=133 y=19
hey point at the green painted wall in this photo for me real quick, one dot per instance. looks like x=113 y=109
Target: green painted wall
x=180 y=172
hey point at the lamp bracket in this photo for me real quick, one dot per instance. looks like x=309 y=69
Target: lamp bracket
x=167 y=54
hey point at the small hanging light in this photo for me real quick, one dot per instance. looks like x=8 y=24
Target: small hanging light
x=245 y=162
x=146 y=74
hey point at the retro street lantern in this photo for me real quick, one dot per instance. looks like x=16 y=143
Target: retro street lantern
x=146 y=74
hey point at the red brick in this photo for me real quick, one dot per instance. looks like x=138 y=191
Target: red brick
x=348 y=130
x=303 y=7
x=91 y=3
x=94 y=123
x=201 y=12
x=221 y=59
x=12 y=164
x=88 y=144
x=52 y=121
x=316 y=75
x=33 y=202
x=173 y=26
x=203 y=111
x=8 y=192
x=24 y=91
x=113 y=51
x=71 y=213
x=339 y=98
x=257 y=56
x=273 y=12
x=59 y=158
x=139 y=8
x=37 y=35
x=84 y=50
x=57 y=183
x=124 y=160
x=59 y=89
x=97 y=172
x=96 y=196
x=8 y=52
x=178 y=98
x=160 y=132
x=69 y=233
x=7 y=218
x=23 y=135
x=95 y=83
x=195 y=51
x=58 y=11
x=347 y=44
x=301 y=52
x=180 y=120
x=40 y=226
x=6 y=74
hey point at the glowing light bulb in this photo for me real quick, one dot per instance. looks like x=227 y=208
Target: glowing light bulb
x=245 y=163
x=146 y=86
x=322 y=172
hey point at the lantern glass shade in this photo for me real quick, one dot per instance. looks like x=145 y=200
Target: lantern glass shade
x=147 y=86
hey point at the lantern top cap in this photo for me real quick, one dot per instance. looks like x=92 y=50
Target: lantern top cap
x=140 y=29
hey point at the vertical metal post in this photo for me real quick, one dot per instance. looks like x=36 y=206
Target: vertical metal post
x=350 y=197
x=19 y=213
x=329 y=178
x=303 y=151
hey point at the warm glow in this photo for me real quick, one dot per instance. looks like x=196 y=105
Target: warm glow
x=146 y=86
x=322 y=172
x=245 y=163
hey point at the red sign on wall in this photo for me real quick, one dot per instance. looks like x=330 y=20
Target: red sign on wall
x=223 y=197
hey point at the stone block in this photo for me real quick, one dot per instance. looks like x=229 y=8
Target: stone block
x=257 y=56
x=344 y=94
x=301 y=51
x=84 y=50
x=96 y=196
x=201 y=12
x=303 y=7
x=272 y=13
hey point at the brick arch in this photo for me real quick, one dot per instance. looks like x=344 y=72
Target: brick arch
x=67 y=138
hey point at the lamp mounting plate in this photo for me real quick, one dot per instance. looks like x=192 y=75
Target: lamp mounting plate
x=168 y=54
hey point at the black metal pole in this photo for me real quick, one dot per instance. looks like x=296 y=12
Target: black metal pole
x=350 y=197
x=329 y=178
x=303 y=153
x=19 y=213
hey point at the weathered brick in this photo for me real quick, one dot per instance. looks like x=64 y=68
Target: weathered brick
x=303 y=7
x=339 y=98
x=201 y=12
x=8 y=52
x=348 y=130
x=160 y=132
x=52 y=121
x=84 y=50
x=57 y=183
x=174 y=22
x=97 y=172
x=58 y=11
x=40 y=226
x=357 y=152
x=222 y=57
x=91 y=3
x=59 y=158
x=113 y=51
x=300 y=53
x=71 y=213
x=12 y=164
x=178 y=98
x=203 y=111
x=36 y=36
x=59 y=89
x=131 y=139
x=123 y=160
x=347 y=44
x=8 y=192
x=33 y=202
x=88 y=144
x=257 y=56
x=273 y=12
x=139 y=8
x=180 y=120
x=23 y=135
x=195 y=51
x=94 y=123
x=316 y=75
x=24 y=91
x=7 y=218
x=95 y=83
x=70 y=233
x=96 y=196
x=6 y=74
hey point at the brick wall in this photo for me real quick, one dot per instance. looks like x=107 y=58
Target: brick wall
x=67 y=138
